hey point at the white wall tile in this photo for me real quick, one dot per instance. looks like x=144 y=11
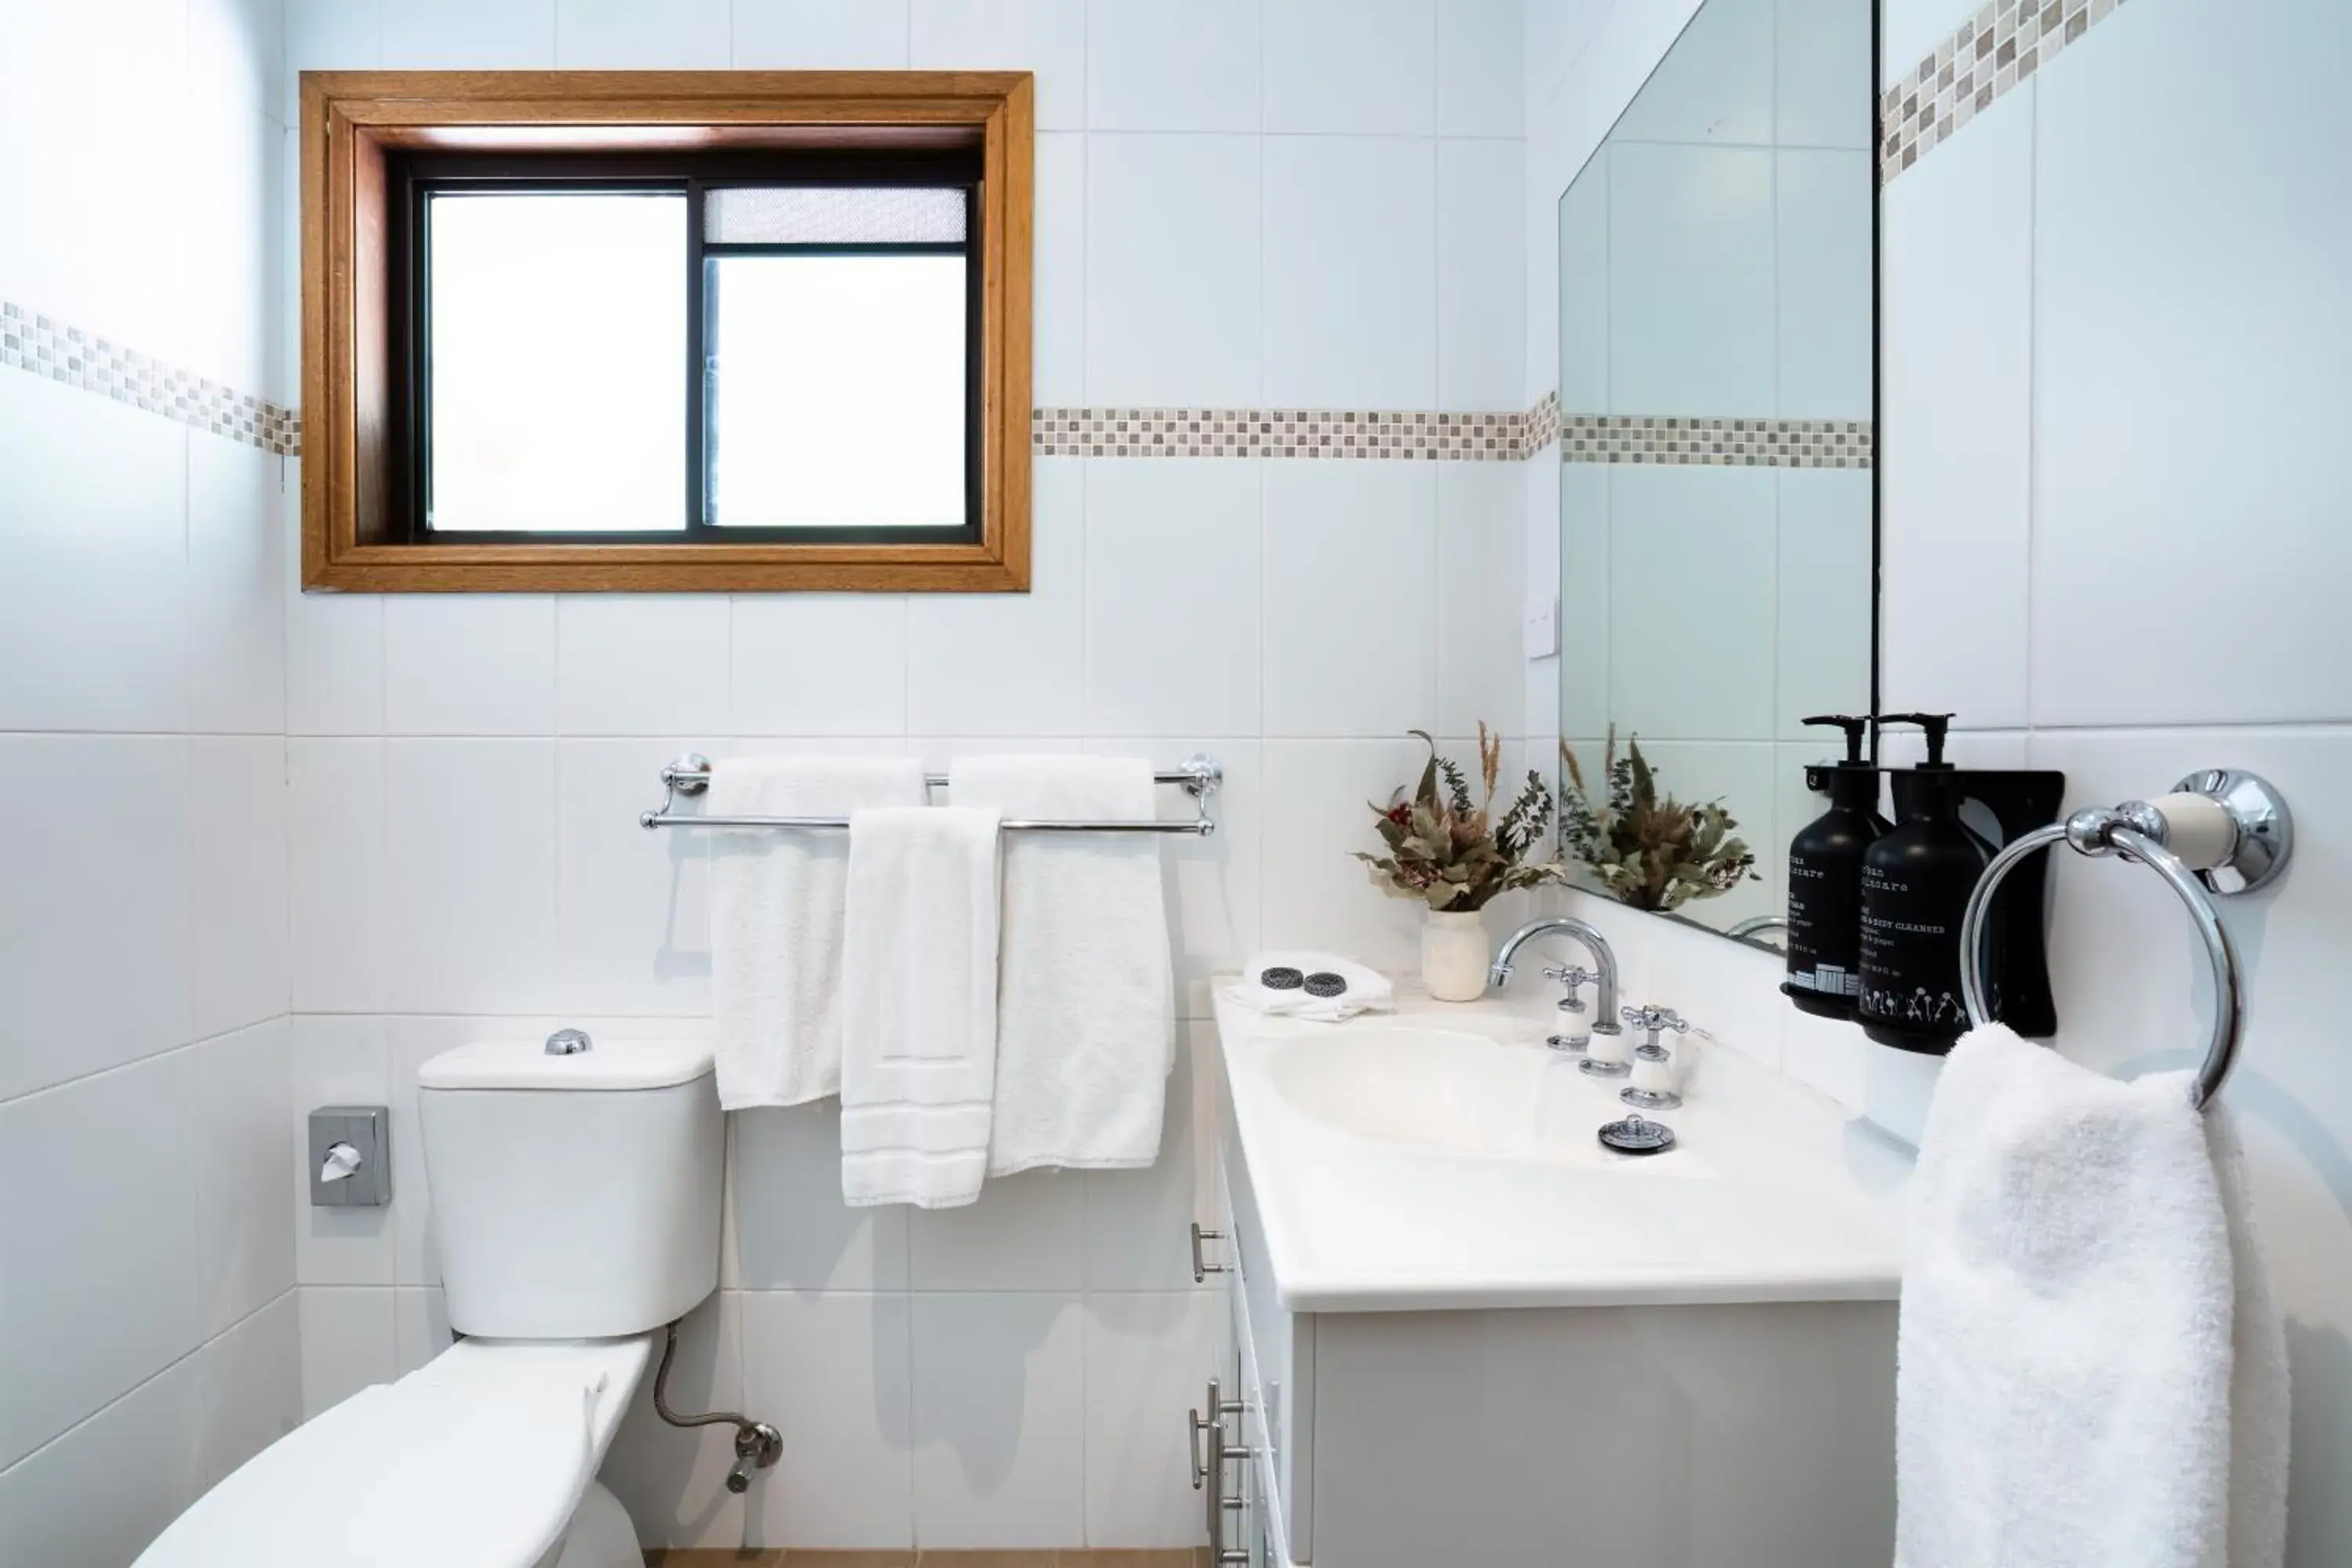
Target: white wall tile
x=93 y=614
x=639 y=664
x=1145 y=1354
x=1025 y=1233
x=1691 y=327
x=1315 y=817
x=2185 y=173
x=789 y=1230
x=819 y=664
x=999 y=1420
x=674 y=1483
x=97 y=1220
x=1361 y=66
x=1481 y=275
x=1481 y=586
x=471 y=837
x=250 y=1386
x=1823 y=235
x=1350 y=623
x=1046 y=36
x=1911 y=30
x=469 y=35
x=1057 y=291
x=1740 y=775
x=239 y=905
x=1710 y=533
x=1212 y=883
x=1955 y=367
x=337 y=881
x=347 y=1342
x=420 y=1327
x=1824 y=641
x=1137 y=1234
x=327 y=34
x=469 y=664
x=1011 y=664
x=1581 y=241
x=834 y=1372
x=1172 y=547
x=237 y=614
x=1479 y=69
x=94 y=924
x=228 y=147
x=1172 y=64
x=1173 y=313
x=1822 y=72
x=246 y=1238
x=820 y=35
x=103 y=1490
x=632 y=926
x=630 y=34
x=337 y=1061
x=1351 y=240
x=334 y=647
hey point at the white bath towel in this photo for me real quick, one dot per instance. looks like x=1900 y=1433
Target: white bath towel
x=1085 y=1009
x=1368 y=989
x=919 y=1005
x=776 y=919
x=2259 y=1402
x=2064 y=1395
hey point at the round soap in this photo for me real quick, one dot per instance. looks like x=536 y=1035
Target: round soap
x=1281 y=978
x=1323 y=983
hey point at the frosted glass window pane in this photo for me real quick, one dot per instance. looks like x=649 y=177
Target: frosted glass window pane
x=558 y=361
x=836 y=391
x=832 y=214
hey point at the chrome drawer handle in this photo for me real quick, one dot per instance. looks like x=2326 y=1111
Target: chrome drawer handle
x=1202 y=1267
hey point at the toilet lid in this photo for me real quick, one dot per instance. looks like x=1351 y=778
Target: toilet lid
x=476 y=1461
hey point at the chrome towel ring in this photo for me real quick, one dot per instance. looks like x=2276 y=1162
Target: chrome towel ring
x=2221 y=831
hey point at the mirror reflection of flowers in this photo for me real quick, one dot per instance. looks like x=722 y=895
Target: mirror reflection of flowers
x=1451 y=853
x=1650 y=853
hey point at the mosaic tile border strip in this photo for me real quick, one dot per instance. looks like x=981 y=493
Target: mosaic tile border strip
x=38 y=343
x=1718 y=442
x=2002 y=44
x=1309 y=433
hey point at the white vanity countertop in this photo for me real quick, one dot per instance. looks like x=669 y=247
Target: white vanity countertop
x=1442 y=1157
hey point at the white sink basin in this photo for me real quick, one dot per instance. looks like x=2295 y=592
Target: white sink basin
x=1441 y=1089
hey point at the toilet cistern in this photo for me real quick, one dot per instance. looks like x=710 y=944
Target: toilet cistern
x=1603 y=973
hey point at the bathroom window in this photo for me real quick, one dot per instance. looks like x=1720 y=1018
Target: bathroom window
x=791 y=353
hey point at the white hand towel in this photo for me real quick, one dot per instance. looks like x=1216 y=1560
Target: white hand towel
x=1086 y=1014
x=1369 y=991
x=919 y=1006
x=2258 y=1403
x=776 y=919
x=2064 y=1398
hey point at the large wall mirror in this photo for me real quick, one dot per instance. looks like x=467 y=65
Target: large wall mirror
x=1717 y=517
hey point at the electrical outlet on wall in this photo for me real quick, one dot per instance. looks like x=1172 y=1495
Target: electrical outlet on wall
x=1542 y=628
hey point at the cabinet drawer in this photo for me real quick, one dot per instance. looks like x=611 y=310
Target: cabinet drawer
x=1278 y=1355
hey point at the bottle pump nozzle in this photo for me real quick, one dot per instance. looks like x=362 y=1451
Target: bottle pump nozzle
x=1936 y=724
x=1854 y=727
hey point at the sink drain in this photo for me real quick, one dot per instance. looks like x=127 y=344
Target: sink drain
x=1637 y=1136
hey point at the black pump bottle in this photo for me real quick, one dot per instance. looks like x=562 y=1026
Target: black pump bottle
x=1825 y=861
x=1915 y=883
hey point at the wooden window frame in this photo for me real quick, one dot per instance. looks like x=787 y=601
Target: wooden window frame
x=354 y=123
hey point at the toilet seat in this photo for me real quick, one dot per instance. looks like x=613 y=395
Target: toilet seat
x=475 y=1460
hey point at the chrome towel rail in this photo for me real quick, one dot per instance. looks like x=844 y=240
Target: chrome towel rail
x=2221 y=831
x=1200 y=776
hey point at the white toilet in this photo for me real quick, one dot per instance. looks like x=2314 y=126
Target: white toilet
x=577 y=1198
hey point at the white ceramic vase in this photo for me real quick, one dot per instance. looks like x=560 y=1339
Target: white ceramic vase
x=1453 y=955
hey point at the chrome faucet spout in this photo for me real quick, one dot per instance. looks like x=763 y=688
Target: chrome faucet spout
x=1604 y=962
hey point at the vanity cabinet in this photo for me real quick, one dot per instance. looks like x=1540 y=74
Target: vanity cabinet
x=1704 y=1434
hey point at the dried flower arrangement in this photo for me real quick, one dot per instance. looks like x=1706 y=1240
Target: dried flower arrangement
x=1650 y=853
x=1450 y=853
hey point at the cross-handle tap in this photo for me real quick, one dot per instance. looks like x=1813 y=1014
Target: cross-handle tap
x=1574 y=1035
x=1650 y=1020
x=1604 y=974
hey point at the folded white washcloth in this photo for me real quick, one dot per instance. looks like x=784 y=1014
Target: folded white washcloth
x=776 y=919
x=2069 y=1302
x=919 y=1005
x=1086 y=1009
x=1368 y=989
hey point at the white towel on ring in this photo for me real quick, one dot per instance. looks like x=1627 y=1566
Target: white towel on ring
x=2071 y=1328
x=776 y=902
x=1087 y=1010
x=919 y=1005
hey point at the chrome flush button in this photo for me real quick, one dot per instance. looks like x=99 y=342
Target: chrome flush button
x=568 y=1042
